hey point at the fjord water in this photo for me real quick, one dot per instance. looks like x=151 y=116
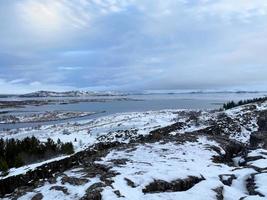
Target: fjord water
x=137 y=103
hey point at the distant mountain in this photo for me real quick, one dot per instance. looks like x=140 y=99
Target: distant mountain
x=68 y=94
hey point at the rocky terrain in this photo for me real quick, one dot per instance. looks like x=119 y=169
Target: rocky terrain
x=172 y=154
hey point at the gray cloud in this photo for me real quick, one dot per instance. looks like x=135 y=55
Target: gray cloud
x=132 y=44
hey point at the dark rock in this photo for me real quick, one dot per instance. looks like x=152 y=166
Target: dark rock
x=232 y=148
x=119 y=162
x=130 y=183
x=253 y=158
x=174 y=186
x=38 y=196
x=219 y=193
x=258 y=139
x=60 y=188
x=262 y=121
x=74 y=180
x=227 y=179
x=251 y=186
x=94 y=192
x=118 y=193
x=161 y=133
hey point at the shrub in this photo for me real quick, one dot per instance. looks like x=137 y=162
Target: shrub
x=67 y=148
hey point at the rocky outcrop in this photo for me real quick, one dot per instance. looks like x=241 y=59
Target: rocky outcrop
x=60 y=188
x=258 y=139
x=38 y=196
x=48 y=171
x=73 y=180
x=251 y=186
x=262 y=121
x=161 y=133
x=219 y=193
x=94 y=192
x=174 y=186
x=227 y=179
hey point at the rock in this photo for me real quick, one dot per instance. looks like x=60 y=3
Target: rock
x=219 y=193
x=227 y=179
x=262 y=121
x=174 y=186
x=130 y=183
x=118 y=193
x=60 y=188
x=251 y=186
x=253 y=158
x=38 y=196
x=94 y=192
x=119 y=162
x=258 y=139
x=74 y=180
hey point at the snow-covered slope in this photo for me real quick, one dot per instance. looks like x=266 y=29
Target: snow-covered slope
x=171 y=154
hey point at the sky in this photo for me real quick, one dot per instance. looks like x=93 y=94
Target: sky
x=132 y=45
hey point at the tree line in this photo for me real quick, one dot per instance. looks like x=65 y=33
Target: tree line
x=232 y=104
x=16 y=153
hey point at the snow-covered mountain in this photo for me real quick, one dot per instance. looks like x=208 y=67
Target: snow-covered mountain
x=75 y=93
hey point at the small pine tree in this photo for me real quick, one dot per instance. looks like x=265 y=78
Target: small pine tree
x=67 y=148
x=3 y=166
x=18 y=161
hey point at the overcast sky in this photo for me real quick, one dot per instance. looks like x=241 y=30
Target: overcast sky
x=132 y=44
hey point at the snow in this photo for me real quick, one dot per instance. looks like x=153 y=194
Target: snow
x=261 y=180
x=260 y=163
x=170 y=162
x=74 y=191
x=86 y=132
x=24 y=169
x=154 y=161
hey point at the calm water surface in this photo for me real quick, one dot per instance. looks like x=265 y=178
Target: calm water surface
x=144 y=103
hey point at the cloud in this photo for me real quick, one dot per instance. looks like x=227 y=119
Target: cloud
x=70 y=68
x=133 y=44
x=17 y=87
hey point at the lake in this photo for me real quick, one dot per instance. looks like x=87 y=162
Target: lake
x=141 y=103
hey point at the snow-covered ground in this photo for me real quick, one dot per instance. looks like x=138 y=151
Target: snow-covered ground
x=133 y=168
x=85 y=132
x=145 y=163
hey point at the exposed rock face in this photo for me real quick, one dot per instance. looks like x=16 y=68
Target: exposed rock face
x=130 y=182
x=174 y=186
x=219 y=193
x=38 y=196
x=73 y=180
x=161 y=133
x=232 y=148
x=119 y=162
x=262 y=121
x=251 y=186
x=258 y=139
x=60 y=188
x=227 y=179
x=94 y=192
